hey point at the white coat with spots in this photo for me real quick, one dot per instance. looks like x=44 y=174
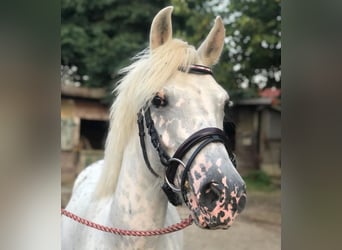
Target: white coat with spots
x=120 y=191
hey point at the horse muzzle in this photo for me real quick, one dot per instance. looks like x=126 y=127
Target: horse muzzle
x=216 y=201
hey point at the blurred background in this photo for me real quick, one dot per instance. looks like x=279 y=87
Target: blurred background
x=99 y=37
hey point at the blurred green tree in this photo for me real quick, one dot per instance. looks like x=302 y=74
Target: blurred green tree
x=251 y=56
x=100 y=36
x=253 y=45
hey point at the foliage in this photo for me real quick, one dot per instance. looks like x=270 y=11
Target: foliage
x=254 y=44
x=251 y=56
x=100 y=36
x=259 y=180
x=193 y=20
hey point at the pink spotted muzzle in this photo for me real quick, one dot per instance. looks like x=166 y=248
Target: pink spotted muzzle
x=208 y=182
x=216 y=208
x=216 y=193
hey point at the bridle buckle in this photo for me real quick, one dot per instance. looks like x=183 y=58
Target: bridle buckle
x=171 y=185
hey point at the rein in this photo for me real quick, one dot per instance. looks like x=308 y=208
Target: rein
x=142 y=233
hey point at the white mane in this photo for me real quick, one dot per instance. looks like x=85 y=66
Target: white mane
x=142 y=80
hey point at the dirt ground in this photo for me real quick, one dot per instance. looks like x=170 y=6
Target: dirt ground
x=257 y=228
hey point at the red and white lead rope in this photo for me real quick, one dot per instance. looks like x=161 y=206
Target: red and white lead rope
x=173 y=228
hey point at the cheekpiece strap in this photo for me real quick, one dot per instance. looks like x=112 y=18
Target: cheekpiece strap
x=142 y=142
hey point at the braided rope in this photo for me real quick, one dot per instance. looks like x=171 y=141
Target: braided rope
x=173 y=228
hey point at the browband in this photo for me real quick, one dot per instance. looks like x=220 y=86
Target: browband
x=197 y=69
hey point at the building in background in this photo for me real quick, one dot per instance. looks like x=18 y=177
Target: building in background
x=257 y=135
x=84 y=125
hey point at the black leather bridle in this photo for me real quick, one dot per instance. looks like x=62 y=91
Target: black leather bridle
x=202 y=137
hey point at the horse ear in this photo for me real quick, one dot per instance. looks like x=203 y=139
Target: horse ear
x=161 y=28
x=211 y=48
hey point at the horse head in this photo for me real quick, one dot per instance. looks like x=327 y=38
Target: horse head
x=185 y=119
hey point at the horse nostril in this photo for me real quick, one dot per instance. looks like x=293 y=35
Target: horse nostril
x=215 y=188
x=210 y=194
x=241 y=204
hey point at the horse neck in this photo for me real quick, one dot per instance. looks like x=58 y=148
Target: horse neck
x=138 y=201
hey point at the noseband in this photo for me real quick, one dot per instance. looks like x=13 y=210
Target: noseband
x=202 y=137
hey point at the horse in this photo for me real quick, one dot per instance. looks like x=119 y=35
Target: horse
x=165 y=147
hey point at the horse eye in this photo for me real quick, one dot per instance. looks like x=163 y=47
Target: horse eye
x=158 y=101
